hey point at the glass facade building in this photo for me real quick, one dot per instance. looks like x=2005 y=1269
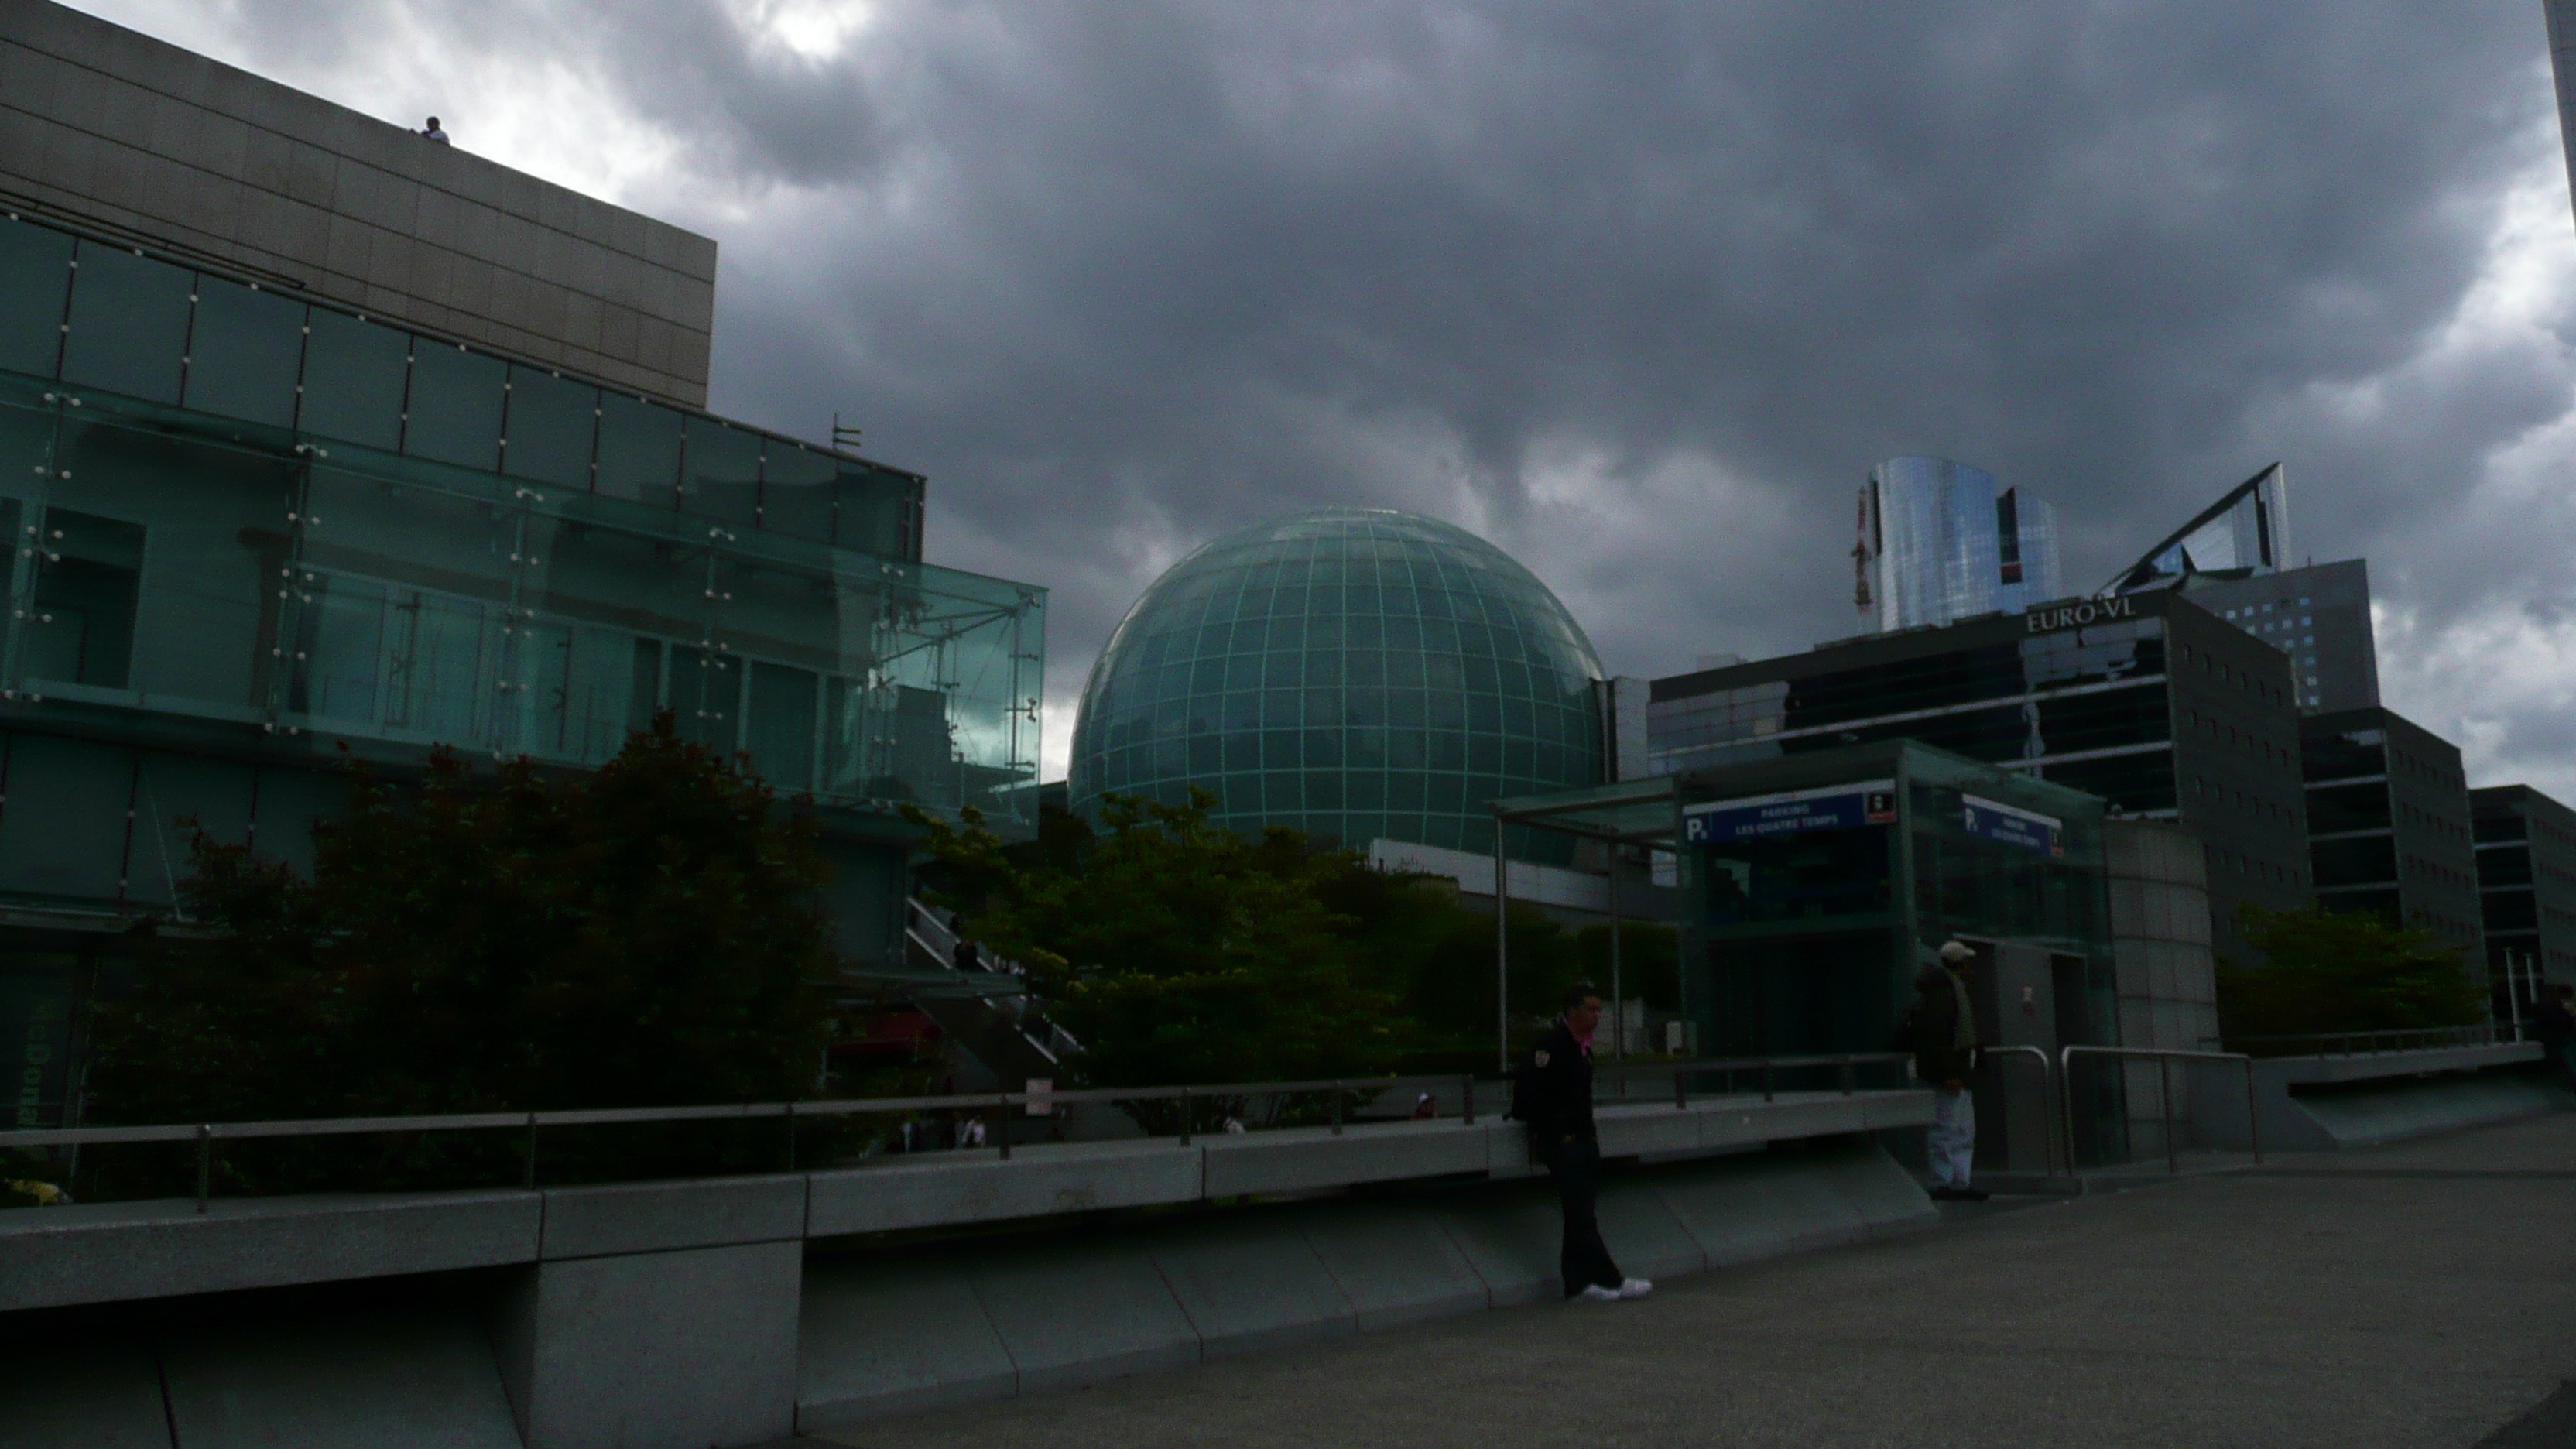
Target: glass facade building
x=253 y=511
x=1354 y=673
x=2147 y=701
x=251 y=529
x=1939 y=543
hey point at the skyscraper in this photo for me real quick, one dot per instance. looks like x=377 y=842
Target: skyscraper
x=1939 y=543
x=2244 y=534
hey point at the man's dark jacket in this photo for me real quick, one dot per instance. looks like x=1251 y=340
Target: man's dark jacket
x=1934 y=1027
x=1556 y=1097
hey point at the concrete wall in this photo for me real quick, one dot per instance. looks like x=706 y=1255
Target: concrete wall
x=729 y=1311
x=108 y=126
x=2319 y=1104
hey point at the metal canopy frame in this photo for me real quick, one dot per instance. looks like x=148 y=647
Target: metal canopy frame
x=1643 y=813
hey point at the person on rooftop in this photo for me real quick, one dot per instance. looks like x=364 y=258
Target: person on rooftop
x=433 y=133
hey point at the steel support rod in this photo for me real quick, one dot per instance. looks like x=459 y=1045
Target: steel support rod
x=205 y=1164
x=2253 y=1116
x=1618 y=992
x=2164 y=1089
x=1502 y=955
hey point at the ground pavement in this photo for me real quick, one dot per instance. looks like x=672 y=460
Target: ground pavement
x=2415 y=1296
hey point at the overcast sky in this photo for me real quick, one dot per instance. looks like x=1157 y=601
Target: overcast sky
x=1639 y=292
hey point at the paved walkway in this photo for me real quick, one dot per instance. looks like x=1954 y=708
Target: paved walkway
x=2413 y=1297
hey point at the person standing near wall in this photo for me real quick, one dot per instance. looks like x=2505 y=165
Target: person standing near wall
x=1944 y=1028
x=1556 y=1103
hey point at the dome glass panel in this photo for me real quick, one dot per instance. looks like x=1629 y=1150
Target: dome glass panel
x=1354 y=673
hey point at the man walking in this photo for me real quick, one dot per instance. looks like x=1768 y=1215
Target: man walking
x=1945 y=1059
x=1557 y=1105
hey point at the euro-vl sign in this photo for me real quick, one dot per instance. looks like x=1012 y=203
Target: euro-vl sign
x=2076 y=616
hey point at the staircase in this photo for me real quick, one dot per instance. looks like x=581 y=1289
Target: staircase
x=1007 y=1034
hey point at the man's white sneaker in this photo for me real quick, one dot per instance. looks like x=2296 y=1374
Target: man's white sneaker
x=1635 y=1288
x=1598 y=1294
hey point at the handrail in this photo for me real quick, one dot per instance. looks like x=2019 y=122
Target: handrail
x=2048 y=1108
x=206 y=1134
x=2462 y=1035
x=2164 y=1083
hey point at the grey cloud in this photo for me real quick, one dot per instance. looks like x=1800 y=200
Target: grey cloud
x=1121 y=276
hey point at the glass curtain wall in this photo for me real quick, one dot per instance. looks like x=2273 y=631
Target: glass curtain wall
x=320 y=528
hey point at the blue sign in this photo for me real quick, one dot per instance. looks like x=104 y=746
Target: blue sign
x=2011 y=825
x=1841 y=807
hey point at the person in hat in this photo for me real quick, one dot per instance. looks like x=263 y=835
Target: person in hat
x=1945 y=1059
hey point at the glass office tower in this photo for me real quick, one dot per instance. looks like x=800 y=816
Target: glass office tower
x=1357 y=673
x=1939 y=543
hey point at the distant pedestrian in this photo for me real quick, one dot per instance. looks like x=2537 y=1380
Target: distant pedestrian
x=1944 y=1030
x=432 y=132
x=1556 y=1103
x=1424 y=1109
x=971 y=1134
x=2553 y=1025
x=966 y=958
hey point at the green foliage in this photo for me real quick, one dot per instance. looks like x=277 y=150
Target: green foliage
x=640 y=935
x=1176 y=951
x=2342 y=971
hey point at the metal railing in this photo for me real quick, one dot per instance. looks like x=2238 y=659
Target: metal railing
x=2048 y=1096
x=2405 y=1039
x=2164 y=1058
x=956 y=1106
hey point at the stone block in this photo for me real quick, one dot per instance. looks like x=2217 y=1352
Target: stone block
x=101 y=1253
x=1885 y=1196
x=1393 y=1264
x=27 y=79
x=1251 y=1282
x=1755 y=1208
x=1641 y=1232
x=1510 y=1237
x=674 y=1350
x=970 y=1187
x=1911 y=1107
x=86 y=1392
x=1083 y=1310
x=396 y=1377
x=884 y=1335
x=1638 y=1131
x=646 y=1217
x=1297 y=1159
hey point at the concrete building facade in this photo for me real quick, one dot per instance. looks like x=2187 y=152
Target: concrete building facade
x=2147 y=700
x=167 y=149
x=2389 y=823
x=2526 y=849
x=2318 y=616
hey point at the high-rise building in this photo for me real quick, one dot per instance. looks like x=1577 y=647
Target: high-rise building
x=2526 y=845
x=2147 y=700
x=2318 y=615
x=1940 y=543
x=2389 y=824
x=2561 y=18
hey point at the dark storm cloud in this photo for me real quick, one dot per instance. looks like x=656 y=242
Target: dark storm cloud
x=1642 y=290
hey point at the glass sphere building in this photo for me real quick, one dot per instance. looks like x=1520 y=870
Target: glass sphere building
x=1356 y=673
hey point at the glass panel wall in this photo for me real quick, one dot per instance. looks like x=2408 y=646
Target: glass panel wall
x=148 y=329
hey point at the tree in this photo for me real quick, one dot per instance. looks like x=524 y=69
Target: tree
x=1178 y=951
x=645 y=934
x=2342 y=971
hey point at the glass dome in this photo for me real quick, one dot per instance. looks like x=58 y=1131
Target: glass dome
x=1356 y=673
